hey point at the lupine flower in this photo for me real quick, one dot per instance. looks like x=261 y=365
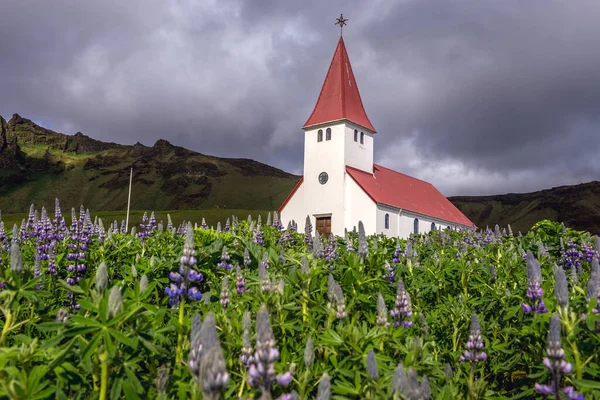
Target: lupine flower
x=225 y=292
x=62 y=315
x=413 y=390
x=348 y=240
x=474 y=348
x=101 y=280
x=262 y=369
x=225 y=258
x=203 y=225
x=448 y=373
x=240 y=283
x=259 y=221
x=402 y=312
x=556 y=364
x=162 y=379
x=363 y=247
x=246 y=356
x=269 y=219
x=182 y=283
x=561 y=289
x=258 y=236
x=399 y=380
x=206 y=359
x=16 y=262
x=571 y=257
x=330 y=286
x=493 y=273
x=340 y=303
x=308 y=233
x=317 y=247
x=219 y=227
x=593 y=288
x=324 y=390
x=390 y=276
x=304 y=266
x=331 y=252
x=143 y=283
x=247 y=259
x=309 y=353
x=265 y=260
x=265 y=281
x=115 y=301
x=535 y=291
x=37 y=272
x=382 y=312
x=372 y=365
x=423 y=323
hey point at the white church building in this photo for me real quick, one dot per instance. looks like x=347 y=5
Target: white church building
x=342 y=186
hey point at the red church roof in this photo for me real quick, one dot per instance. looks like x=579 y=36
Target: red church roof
x=289 y=197
x=339 y=98
x=408 y=193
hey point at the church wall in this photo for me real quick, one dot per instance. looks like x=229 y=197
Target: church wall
x=359 y=207
x=358 y=155
x=325 y=156
x=407 y=219
x=294 y=210
x=394 y=225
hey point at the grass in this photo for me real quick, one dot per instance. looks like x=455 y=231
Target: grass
x=212 y=216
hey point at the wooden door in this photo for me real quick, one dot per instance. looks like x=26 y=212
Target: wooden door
x=324 y=225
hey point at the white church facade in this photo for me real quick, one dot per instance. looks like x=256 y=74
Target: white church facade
x=341 y=185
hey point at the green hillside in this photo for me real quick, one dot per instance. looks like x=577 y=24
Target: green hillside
x=39 y=165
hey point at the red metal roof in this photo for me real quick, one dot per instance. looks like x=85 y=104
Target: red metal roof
x=288 y=198
x=339 y=98
x=408 y=193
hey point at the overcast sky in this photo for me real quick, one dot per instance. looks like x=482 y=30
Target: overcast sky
x=474 y=96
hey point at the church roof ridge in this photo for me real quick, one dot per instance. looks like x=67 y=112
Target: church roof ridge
x=339 y=98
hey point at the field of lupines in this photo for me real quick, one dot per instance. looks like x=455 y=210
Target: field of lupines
x=253 y=309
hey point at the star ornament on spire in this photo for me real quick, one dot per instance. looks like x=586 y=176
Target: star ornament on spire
x=341 y=21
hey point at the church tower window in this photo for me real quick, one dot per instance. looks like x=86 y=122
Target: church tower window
x=356 y=135
x=416 y=227
x=362 y=138
x=320 y=135
x=387 y=221
x=328 y=134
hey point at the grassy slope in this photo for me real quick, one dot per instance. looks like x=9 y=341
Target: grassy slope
x=577 y=206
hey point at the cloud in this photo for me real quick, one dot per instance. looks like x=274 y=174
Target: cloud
x=475 y=97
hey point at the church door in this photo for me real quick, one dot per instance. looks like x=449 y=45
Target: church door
x=324 y=225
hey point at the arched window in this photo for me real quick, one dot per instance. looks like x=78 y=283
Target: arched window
x=416 y=228
x=433 y=226
x=320 y=135
x=356 y=135
x=362 y=138
x=328 y=134
x=387 y=221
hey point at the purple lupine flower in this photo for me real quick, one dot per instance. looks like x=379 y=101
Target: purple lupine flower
x=258 y=236
x=402 y=312
x=556 y=364
x=277 y=222
x=261 y=373
x=474 y=348
x=183 y=282
x=571 y=256
x=225 y=260
x=331 y=252
x=588 y=252
x=246 y=357
x=390 y=272
x=240 y=283
x=535 y=291
x=363 y=247
x=247 y=259
x=382 y=312
x=227 y=226
x=308 y=239
x=203 y=224
x=225 y=292
x=285 y=239
x=340 y=302
x=593 y=289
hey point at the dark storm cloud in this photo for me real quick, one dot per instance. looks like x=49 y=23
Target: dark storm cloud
x=474 y=96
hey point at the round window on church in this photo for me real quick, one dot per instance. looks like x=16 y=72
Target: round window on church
x=323 y=178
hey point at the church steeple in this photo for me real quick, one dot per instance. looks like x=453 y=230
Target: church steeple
x=339 y=98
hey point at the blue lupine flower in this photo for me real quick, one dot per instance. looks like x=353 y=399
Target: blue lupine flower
x=474 y=348
x=557 y=365
x=225 y=258
x=534 y=287
x=571 y=257
x=182 y=282
x=402 y=311
x=258 y=236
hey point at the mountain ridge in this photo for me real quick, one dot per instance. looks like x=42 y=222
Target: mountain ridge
x=39 y=165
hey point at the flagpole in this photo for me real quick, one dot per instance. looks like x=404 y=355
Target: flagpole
x=128 y=201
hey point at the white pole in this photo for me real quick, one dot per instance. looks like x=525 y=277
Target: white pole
x=128 y=201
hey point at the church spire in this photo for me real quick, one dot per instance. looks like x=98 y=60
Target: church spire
x=339 y=98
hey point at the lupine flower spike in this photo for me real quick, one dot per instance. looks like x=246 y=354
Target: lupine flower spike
x=534 y=287
x=382 y=312
x=402 y=312
x=557 y=366
x=324 y=390
x=262 y=369
x=474 y=349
